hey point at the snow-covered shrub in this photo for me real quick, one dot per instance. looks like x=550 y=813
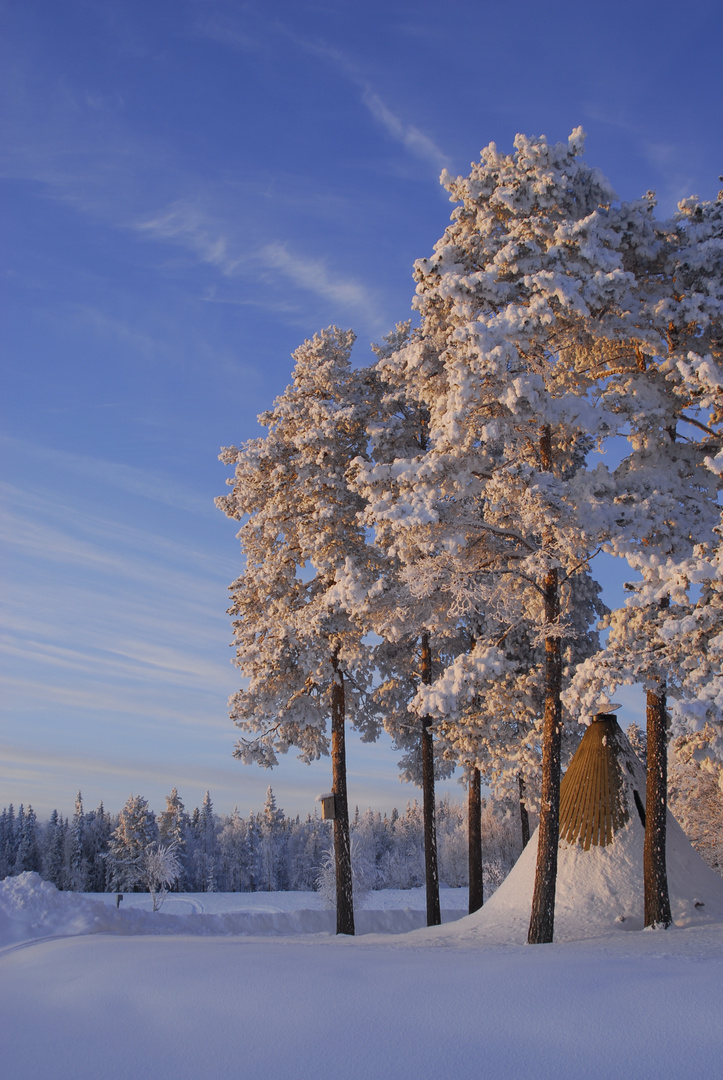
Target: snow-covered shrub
x=362 y=870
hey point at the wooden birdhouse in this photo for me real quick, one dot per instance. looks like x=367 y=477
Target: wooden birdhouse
x=328 y=806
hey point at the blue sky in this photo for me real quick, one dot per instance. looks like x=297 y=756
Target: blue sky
x=189 y=190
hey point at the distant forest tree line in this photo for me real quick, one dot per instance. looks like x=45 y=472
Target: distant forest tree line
x=96 y=851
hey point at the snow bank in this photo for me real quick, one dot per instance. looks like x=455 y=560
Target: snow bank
x=31 y=908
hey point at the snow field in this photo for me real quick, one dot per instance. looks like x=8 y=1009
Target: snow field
x=91 y=993
x=645 y=1005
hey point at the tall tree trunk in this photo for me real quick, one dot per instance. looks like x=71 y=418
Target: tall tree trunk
x=542 y=919
x=655 y=876
x=342 y=843
x=524 y=815
x=431 y=868
x=474 y=832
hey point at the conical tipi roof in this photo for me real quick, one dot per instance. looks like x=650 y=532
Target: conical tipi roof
x=600 y=857
x=603 y=784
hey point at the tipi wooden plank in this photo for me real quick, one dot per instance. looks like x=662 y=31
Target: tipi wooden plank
x=575 y=791
x=587 y=781
x=606 y=833
x=595 y=797
x=592 y=792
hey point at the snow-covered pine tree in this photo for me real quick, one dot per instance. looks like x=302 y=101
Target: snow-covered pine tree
x=136 y=829
x=299 y=648
x=407 y=606
x=529 y=304
x=173 y=828
x=96 y=841
x=76 y=853
x=488 y=703
x=234 y=854
x=51 y=850
x=695 y=376
x=7 y=840
x=17 y=835
x=665 y=636
x=28 y=857
x=696 y=798
x=205 y=847
x=271 y=848
x=523 y=306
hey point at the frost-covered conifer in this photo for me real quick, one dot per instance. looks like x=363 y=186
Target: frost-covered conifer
x=696 y=799
x=53 y=843
x=28 y=858
x=667 y=512
x=76 y=854
x=694 y=311
x=272 y=844
x=7 y=840
x=234 y=855
x=525 y=308
x=95 y=848
x=408 y=605
x=136 y=829
x=205 y=847
x=300 y=649
x=173 y=828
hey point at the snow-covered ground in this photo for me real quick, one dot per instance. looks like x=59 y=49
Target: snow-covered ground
x=88 y=991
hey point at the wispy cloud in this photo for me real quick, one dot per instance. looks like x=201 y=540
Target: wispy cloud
x=116 y=329
x=128 y=478
x=409 y=136
x=149 y=713
x=188 y=226
x=211 y=297
x=314 y=275
x=125 y=660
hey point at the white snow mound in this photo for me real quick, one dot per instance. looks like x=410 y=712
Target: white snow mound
x=31 y=908
x=599 y=891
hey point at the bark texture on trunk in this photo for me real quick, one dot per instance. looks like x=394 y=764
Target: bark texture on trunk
x=434 y=916
x=474 y=832
x=342 y=843
x=655 y=875
x=524 y=815
x=542 y=919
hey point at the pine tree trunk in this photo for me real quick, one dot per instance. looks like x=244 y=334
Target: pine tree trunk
x=342 y=842
x=524 y=815
x=542 y=919
x=434 y=917
x=474 y=832
x=657 y=900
